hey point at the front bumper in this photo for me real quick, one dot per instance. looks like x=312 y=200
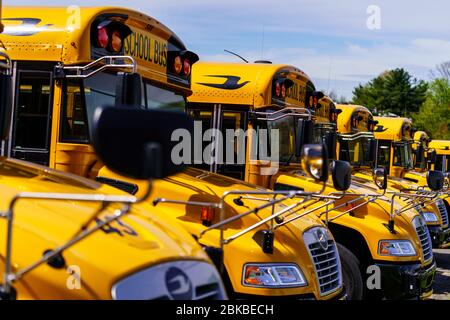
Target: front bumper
x=440 y=237
x=406 y=281
x=341 y=296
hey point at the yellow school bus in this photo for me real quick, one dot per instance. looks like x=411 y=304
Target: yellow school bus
x=396 y=138
x=260 y=96
x=442 y=149
x=73 y=69
x=67 y=237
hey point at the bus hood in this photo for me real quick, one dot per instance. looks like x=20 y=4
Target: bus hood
x=124 y=247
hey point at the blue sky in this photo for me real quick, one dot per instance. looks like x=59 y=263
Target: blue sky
x=328 y=39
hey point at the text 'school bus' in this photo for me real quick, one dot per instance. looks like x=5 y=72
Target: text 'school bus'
x=395 y=152
x=261 y=96
x=64 y=69
x=67 y=237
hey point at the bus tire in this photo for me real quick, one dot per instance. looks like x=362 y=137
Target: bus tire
x=351 y=274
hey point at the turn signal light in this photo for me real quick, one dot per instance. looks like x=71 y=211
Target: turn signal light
x=283 y=90
x=177 y=65
x=102 y=37
x=277 y=89
x=116 y=41
x=207 y=216
x=186 y=67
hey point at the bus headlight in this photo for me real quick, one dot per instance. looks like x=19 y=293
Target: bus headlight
x=399 y=248
x=429 y=217
x=272 y=275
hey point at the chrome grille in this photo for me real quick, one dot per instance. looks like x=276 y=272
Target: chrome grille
x=443 y=212
x=425 y=241
x=327 y=265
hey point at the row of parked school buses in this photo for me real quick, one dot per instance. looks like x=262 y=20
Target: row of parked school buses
x=308 y=200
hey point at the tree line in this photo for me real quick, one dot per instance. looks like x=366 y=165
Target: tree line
x=397 y=92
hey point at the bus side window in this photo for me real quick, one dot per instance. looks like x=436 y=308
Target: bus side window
x=158 y=98
x=384 y=153
x=205 y=117
x=73 y=118
x=32 y=111
x=233 y=127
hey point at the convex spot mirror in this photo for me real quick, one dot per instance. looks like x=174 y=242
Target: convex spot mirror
x=315 y=161
x=380 y=177
x=435 y=180
x=138 y=143
x=341 y=172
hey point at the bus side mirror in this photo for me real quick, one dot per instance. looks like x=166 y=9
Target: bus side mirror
x=5 y=98
x=315 y=161
x=380 y=177
x=435 y=180
x=303 y=135
x=138 y=143
x=341 y=172
x=373 y=149
x=128 y=89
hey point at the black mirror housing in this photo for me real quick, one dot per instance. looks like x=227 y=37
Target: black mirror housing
x=341 y=172
x=138 y=143
x=128 y=89
x=435 y=180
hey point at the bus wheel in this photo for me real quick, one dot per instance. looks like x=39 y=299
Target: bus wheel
x=351 y=274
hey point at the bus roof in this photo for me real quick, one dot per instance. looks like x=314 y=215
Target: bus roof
x=248 y=84
x=421 y=136
x=61 y=33
x=441 y=146
x=344 y=122
x=393 y=128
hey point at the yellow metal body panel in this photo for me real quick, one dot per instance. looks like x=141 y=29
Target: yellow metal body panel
x=40 y=225
x=253 y=87
x=200 y=186
x=395 y=184
x=442 y=147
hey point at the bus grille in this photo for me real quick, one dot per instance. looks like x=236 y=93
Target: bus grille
x=326 y=263
x=425 y=241
x=443 y=212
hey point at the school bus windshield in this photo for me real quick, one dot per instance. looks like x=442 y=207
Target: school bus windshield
x=285 y=129
x=83 y=96
x=403 y=155
x=355 y=150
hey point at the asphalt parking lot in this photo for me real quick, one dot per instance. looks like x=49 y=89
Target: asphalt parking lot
x=442 y=280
